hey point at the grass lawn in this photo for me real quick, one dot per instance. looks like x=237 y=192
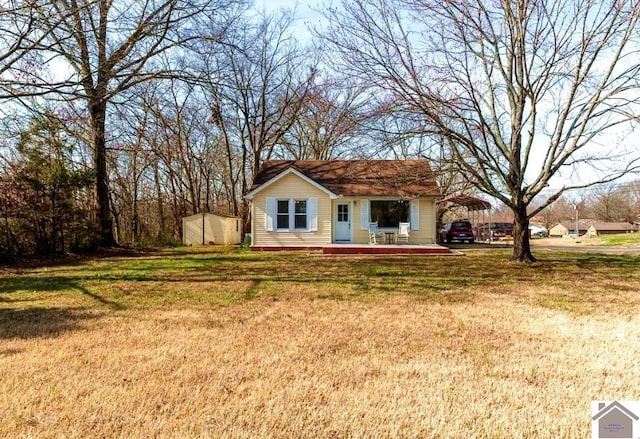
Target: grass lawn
x=626 y=239
x=623 y=240
x=228 y=343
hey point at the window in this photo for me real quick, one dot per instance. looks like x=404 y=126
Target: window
x=343 y=213
x=389 y=213
x=283 y=214
x=291 y=214
x=300 y=214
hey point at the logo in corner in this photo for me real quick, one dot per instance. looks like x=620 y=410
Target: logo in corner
x=615 y=419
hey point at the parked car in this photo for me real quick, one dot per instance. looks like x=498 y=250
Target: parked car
x=537 y=232
x=457 y=231
x=501 y=231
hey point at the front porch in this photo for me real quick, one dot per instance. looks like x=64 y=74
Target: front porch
x=365 y=249
x=384 y=249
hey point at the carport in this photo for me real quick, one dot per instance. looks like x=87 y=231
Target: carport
x=475 y=207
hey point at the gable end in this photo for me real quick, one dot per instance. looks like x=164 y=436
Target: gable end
x=283 y=174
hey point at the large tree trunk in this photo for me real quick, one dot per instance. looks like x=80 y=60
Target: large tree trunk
x=98 y=116
x=521 y=244
x=161 y=218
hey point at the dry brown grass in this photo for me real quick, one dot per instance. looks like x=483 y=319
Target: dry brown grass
x=291 y=346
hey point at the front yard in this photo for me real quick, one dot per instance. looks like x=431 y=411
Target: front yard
x=228 y=343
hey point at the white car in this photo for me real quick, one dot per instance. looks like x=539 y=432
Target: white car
x=538 y=232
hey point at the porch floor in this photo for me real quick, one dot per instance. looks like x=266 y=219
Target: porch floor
x=385 y=249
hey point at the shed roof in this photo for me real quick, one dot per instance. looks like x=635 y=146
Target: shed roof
x=199 y=215
x=403 y=178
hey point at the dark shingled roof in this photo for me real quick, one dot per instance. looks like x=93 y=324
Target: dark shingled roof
x=353 y=178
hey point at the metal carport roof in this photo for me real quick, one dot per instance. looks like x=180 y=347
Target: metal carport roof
x=471 y=203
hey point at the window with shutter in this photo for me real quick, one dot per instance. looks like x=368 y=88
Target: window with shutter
x=292 y=214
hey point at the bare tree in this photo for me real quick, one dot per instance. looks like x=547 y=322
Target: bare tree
x=612 y=203
x=632 y=192
x=110 y=46
x=522 y=90
x=329 y=123
x=20 y=33
x=257 y=86
x=556 y=212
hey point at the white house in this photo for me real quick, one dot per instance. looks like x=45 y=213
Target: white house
x=311 y=203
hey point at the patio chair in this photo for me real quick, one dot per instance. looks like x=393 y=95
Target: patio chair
x=403 y=234
x=374 y=233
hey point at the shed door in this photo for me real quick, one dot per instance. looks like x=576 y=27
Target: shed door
x=343 y=222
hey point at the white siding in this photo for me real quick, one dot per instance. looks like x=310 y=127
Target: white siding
x=427 y=220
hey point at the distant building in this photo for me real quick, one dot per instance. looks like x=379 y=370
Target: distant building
x=590 y=227
x=566 y=228
x=598 y=228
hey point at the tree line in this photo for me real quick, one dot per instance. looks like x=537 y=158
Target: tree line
x=119 y=118
x=618 y=202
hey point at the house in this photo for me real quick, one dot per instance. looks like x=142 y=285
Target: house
x=308 y=204
x=598 y=228
x=209 y=228
x=558 y=230
x=566 y=228
x=614 y=421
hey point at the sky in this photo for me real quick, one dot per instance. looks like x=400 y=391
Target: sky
x=304 y=6
x=307 y=15
x=305 y=12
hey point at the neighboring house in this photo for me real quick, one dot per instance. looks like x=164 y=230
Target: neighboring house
x=312 y=203
x=597 y=228
x=566 y=228
x=209 y=228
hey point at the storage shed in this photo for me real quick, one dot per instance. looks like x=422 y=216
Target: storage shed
x=208 y=229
